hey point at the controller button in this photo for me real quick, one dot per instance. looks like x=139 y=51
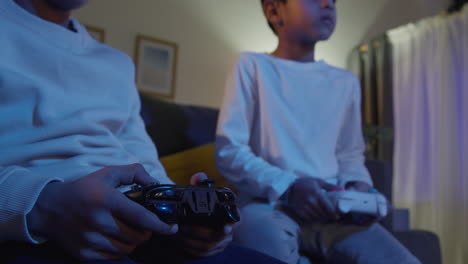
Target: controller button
x=225 y=196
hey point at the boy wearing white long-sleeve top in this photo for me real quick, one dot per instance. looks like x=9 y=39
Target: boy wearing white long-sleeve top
x=290 y=128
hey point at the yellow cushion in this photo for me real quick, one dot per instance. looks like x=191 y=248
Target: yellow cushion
x=180 y=166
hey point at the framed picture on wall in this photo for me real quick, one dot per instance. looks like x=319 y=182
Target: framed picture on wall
x=156 y=62
x=96 y=33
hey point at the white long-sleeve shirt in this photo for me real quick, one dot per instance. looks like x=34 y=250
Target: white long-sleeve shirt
x=282 y=120
x=68 y=107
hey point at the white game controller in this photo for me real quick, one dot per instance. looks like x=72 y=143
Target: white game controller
x=359 y=202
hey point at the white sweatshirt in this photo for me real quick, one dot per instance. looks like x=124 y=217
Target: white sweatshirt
x=68 y=107
x=282 y=120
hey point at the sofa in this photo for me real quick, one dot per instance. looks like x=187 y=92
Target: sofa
x=184 y=136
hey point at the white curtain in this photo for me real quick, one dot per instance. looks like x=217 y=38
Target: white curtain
x=430 y=79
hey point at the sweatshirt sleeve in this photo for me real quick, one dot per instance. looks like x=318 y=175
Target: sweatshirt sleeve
x=350 y=147
x=19 y=190
x=136 y=140
x=234 y=157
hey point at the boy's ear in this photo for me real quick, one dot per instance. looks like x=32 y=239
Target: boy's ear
x=273 y=13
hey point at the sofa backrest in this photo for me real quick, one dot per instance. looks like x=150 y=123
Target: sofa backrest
x=177 y=127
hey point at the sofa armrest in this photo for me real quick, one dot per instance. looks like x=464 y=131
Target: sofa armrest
x=424 y=245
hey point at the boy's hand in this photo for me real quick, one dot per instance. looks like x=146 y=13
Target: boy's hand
x=309 y=202
x=92 y=220
x=202 y=241
x=361 y=219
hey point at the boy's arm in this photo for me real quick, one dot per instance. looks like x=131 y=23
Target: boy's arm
x=350 y=147
x=136 y=140
x=234 y=158
x=19 y=190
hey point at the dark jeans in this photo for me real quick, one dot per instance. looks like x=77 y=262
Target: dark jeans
x=20 y=253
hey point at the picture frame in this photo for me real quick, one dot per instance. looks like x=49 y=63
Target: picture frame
x=156 y=66
x=96 y=33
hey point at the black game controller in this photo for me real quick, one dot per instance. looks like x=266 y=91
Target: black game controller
x=178 y=204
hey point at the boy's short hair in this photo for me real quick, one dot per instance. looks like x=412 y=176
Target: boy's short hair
x=269 y=24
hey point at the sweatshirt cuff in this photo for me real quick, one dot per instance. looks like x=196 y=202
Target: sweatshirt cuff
x=18 y=195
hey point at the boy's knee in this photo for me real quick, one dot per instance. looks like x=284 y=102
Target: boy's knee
x=372 y=245
x=269 y=232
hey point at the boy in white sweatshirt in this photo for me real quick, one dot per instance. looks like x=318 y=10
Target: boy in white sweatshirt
x=290 y=130
x=70 y=134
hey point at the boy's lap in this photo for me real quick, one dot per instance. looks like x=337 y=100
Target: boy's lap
x=319 y=238
x=316 y=239
x=271 y=222
x=262 y=222
x=269 y=231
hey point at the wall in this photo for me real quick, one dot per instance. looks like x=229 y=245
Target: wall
x=211 y=33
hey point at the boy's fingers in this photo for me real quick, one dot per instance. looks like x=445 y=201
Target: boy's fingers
x=327 y=205
x=129 y=174
x=322 y=206
x=137 y=216
x=313 y=210
x=100 y=242
x=110 y=226
x=130 y=235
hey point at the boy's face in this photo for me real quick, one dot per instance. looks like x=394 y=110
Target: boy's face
x=67 y=5
x=308 y=20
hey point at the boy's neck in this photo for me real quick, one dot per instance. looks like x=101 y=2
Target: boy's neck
x=45 y=11
x=295 y=51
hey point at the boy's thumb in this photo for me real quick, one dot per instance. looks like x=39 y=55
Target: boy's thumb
x=197 y=178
